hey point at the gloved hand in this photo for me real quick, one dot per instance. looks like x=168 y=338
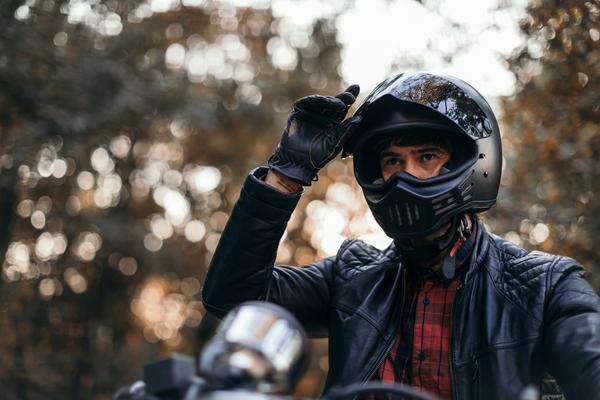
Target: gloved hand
x=314 y=135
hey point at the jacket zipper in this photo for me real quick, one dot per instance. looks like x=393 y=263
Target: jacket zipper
x=457 y=299
x=388 y=347
x=451 y=361
x=470 y=272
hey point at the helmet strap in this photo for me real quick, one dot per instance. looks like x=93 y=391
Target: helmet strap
x=444 y=246
x=449 y=264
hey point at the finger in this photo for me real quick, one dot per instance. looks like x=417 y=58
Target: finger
x=331 y=108
x=354 y=89
x=320 y=104
x=348 y=96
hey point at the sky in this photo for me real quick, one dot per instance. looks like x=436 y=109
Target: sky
x=377 y=33
x=469 y=39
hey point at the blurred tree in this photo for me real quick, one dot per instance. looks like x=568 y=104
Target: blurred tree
x=126 y=128
x=125 y=132
x=552 y=134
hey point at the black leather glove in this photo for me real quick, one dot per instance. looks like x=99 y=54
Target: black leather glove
x=314 y=135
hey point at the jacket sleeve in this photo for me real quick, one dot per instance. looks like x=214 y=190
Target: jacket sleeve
x=572 y=335
x=242 y=267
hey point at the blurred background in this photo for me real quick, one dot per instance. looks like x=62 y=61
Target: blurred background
x=127 y=128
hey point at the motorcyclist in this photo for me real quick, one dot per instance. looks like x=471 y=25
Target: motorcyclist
x=448 y=307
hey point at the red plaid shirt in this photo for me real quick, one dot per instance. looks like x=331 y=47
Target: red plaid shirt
x=420 y=354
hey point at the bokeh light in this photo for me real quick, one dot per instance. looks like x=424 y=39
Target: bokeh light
x=163 y=313
x=128 y=266
x=195 y=231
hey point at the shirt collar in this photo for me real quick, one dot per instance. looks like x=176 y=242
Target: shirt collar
x=462 y=254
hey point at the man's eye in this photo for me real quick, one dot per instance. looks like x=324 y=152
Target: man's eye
x=428 y=157
x=392 y=161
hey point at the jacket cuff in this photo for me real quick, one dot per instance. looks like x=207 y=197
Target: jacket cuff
x=257 y=189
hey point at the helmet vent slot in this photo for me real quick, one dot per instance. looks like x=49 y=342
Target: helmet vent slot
x=408 y=214
x=466 y=191
x=446 y=202
x=395 y=216
x=441 y=198
x=465 y=187
x=467 y=182
x=449 y=207
x=439 y=206
x=411 y=214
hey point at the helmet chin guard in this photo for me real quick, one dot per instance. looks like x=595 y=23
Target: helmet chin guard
x=407 y=207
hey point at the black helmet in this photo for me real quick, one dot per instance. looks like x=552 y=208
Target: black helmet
x=407 y=207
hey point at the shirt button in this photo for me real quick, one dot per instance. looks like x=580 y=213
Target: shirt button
x=422 y=356
x=426 y=301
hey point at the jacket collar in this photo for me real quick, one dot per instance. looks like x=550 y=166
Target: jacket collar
x=480 y=248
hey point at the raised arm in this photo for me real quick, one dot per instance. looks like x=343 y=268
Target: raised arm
x=242 y=267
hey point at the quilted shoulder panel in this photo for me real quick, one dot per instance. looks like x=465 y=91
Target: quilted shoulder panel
x=356 y=256
x=526 y=277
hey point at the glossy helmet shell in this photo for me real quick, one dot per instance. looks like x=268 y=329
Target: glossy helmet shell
x=407 y=207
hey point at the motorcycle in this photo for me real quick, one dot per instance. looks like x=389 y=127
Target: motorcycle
x=258 y=352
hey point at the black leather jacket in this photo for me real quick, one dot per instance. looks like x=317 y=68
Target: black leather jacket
x=516 y=317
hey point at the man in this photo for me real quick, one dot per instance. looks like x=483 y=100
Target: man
x=448 y=307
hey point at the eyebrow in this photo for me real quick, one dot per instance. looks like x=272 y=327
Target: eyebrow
x=387 y=154
x=429 y=149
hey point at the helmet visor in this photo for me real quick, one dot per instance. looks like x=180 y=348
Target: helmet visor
x=438 y=93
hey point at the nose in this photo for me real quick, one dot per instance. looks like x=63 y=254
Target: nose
x=412 y=167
